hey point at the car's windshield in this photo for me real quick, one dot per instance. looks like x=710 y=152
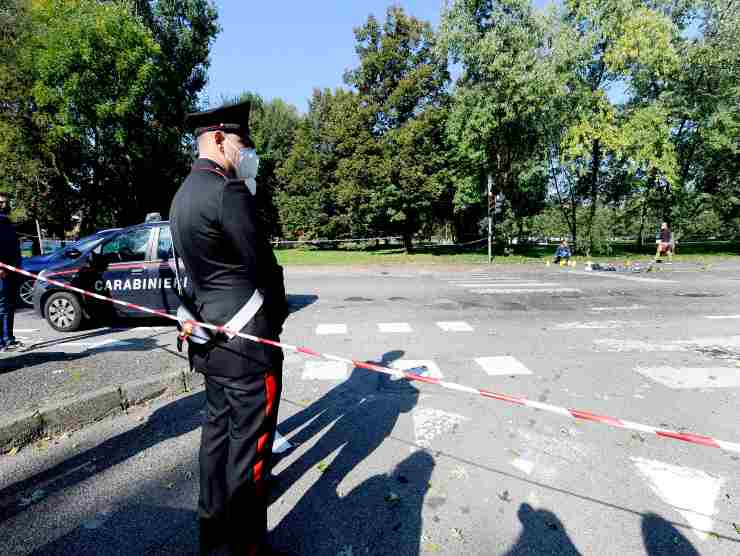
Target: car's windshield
x=80 y=245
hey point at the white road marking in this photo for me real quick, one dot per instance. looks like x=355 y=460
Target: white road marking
x=528 y=290
x=280 y=444
x=325 y=370
x=414 y=366
x=430 y=423
x=693 y=377
x=691 y=492
x=597 y=274
x=508 y=285
x=502 y=365
x=596 y=325
x=394 y=327
x=726 y=343
x=455 y=326
x=636 y=345
x=326 y=329
x=625 y=308
x=721 y=317
x=111 y=343
x=523 y=465
x=25 y=330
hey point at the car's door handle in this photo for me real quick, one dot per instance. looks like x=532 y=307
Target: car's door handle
x=137 y=270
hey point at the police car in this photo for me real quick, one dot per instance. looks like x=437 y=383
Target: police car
x=131 y=265
x=41 y=262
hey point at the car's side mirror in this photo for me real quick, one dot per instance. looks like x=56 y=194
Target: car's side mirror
x=72 y=253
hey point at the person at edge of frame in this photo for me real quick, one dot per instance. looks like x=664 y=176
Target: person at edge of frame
x=666 y=243
x=235 y=281
x=10 y=253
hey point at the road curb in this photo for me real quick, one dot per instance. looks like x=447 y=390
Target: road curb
x=20 y=429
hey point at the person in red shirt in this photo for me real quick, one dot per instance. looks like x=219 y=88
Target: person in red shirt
x=665 y=243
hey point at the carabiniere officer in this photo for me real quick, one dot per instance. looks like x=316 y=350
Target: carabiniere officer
x=235 y=281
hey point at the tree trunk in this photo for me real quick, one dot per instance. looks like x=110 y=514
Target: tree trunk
x=595 y=162
x=407 y=242
x=640 y=235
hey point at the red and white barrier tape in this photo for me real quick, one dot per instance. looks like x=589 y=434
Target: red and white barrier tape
x=565 y=412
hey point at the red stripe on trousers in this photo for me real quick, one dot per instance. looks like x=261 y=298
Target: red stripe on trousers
x=271 y=392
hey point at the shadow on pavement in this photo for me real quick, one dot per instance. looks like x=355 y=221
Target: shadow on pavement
x=663 y=539
x=382 y=515
x=30 y=358
x=542 y=533
x=134 y=528
x=361 y=417
x=296 y=302
x=172 y=420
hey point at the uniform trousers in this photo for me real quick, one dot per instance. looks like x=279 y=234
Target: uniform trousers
x=235 y=456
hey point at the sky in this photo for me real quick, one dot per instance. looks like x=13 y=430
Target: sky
x=287 y=48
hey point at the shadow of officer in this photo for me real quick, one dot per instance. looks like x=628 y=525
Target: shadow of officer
x=543 y=533
x=661 y=538
x=381 y=515
x=362 y=412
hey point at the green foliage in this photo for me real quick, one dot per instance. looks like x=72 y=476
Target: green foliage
x=106 y=87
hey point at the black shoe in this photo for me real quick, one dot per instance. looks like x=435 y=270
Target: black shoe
x=14 y=345
x=212 y=536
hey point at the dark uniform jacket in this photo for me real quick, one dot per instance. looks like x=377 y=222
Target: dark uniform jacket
x=226 y=256
x=10 y=250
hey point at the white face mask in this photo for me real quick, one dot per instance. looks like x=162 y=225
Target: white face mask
x=247 y=166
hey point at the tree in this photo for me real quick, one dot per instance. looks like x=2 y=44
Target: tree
x=108 y=85
x=308 y=179
x=402 y=80
x=501 y=100
x=273 y=127
x=22 y=162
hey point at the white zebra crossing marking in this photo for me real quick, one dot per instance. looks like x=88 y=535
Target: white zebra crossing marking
x=509 y=285
x=721 y=317
x=327 y=329
x=693 y=377
x=721 y=343
x=526 y=290
x=691 y=492
x=394 y=327
x=620 y=277
x=623 y=308
x=502 y=365
x=455 y=326
x=325 y=370
x=523 y=465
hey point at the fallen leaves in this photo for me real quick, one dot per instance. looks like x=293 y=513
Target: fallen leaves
x=737 y=527
x=456 y=534
x=322 y=466
x=505 y=496
x=13 y=451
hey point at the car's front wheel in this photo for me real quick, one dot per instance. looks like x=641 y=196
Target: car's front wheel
x=25 y=292
x=63 y=311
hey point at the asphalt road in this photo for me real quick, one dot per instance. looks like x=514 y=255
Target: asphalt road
x=383 y=466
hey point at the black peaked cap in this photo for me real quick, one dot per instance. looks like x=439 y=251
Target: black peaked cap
x=233 y=118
